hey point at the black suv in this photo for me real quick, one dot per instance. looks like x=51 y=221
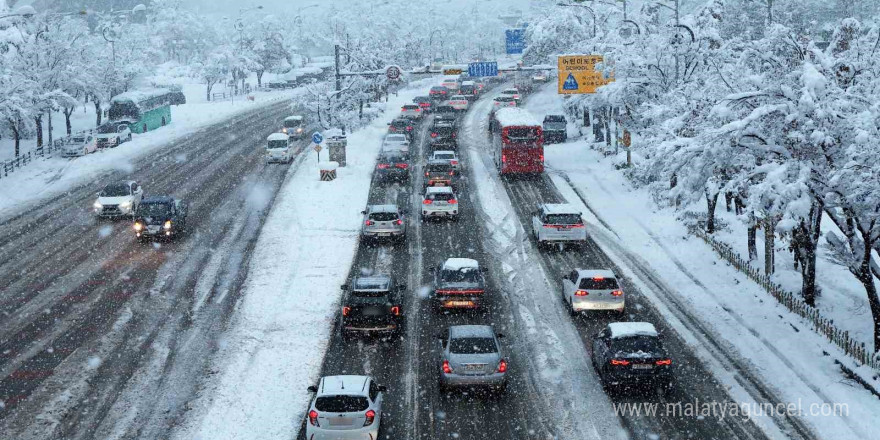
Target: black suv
x=372 y=306
x=160 y=217
x=402 y=126
x=631 y=354
x=443 y=134
x=392 y=165
x=459 y=283
x=554 y=129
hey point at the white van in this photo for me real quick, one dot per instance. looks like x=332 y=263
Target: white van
x=294 y=127
x=278 y=148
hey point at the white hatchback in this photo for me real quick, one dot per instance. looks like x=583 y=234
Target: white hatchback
x=396 y=142
x=592 y=289
x=458 y=102
x=345 y=408
x=439 y=201
x=558 y=223
x=448 y=156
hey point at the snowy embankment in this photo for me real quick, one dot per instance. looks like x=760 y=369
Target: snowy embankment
x=46 y=178
x=551 y=340
x=775 y=344
x=276 y=342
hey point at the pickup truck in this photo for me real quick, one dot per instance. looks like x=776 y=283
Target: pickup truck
x=160 y=217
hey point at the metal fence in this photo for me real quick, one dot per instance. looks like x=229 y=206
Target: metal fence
x=794 y=303
x=21 y=160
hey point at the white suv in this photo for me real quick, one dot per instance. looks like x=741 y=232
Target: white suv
x=345 y=407
x=439 y=201
x=119 y=199
x=592 y=289
x=558 y=223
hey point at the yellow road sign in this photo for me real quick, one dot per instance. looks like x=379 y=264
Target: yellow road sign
x=578 y=74
x=452 y=71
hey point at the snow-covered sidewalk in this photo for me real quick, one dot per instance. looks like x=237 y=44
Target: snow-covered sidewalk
x=277 y=339
x=798 y=364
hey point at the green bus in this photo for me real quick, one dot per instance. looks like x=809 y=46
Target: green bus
x=144 y=110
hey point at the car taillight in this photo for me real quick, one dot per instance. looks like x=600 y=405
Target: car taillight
x=453 y=202
x=398 y=222
x=664 y=362
x=617 y=293
x=453 y=135
x=427 y=202
x=368 y=223
x=503 y=158
x=433 y=135
x=452 y=173
x=369 y=417
x=453 y=162
x=578 y=226
x=402 y=166
x=346 y=310
x=395 y=310
x=409 y=128
x=542 y=157
x=382 y=166
x=619 y=362
x=502 y=366
x=313 y=418
x=446 y=368
x=581 y=293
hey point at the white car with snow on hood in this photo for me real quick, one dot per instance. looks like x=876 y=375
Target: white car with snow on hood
x=345 y=407
x=78 y=145
x=119 y=199
x=278 y=148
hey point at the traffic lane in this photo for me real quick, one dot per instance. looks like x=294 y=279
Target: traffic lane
x=87 y=306
x=694 y=382
x=377 y=356
x=43 y=247
x=465 y=414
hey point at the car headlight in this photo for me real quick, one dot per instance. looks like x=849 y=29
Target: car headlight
x=98 y=205
x=167 y=224
x=138 y=227
x=125 y=205
x=284 y=130
x=299 y=130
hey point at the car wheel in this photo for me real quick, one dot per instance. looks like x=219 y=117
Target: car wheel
x=118 y=141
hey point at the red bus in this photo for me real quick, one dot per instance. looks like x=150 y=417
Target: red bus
x=517 y=141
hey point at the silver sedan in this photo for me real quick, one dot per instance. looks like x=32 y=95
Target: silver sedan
x=471 y=356
x=384 y=221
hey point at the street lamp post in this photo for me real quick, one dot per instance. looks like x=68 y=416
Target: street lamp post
x=592 y=13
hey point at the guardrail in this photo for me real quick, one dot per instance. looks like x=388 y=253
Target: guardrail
x=9 y=166
x=820 y=324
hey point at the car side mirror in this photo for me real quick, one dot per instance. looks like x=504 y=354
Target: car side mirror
x=484 y=269
x=401 y=286
x=440 y=337
x=344 y=287
x=363 y=212
x=313 y=389
x=382 y=388
x=500 y=335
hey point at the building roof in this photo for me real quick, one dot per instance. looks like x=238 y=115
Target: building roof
x=515 y=116
x=629 y=329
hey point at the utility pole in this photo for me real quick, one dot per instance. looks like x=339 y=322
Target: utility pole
x=338 y=77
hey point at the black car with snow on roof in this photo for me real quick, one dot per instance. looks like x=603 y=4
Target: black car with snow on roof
x=160 y=217
x=630 y=354
x=459 y=283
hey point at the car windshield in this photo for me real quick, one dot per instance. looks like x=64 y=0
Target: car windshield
x=278 y=144
x=463 y=275
x=438 y=89
x=341 y=404
x=632 y=344
x=443 y=131
x=153 y=209
x=77 y=139
x=444 y=156
x=503 y=99
x=395 y=138
x=292 y=123
x=554 y=118
x=393 y=158
x=599 y=283
x=383 y=216
x=116 y=190
x=472 y=346
x=410 y=107
x=399 y=123
x=564 y=219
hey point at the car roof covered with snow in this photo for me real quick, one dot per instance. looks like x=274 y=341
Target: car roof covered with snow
x=596 y=273
x=460 y=263
x=294 y=118
x=438 y=190
x=515 y=116
x=372 y=282
x=630 y=329
x=382 y=208
x=560 y=208
x=345 y=384
x=436 y=152
x=278 y=137
x=471 y=331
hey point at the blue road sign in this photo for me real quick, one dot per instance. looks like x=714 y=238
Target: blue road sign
x=483 y=69
x=570 y=83
x=317 y=138
x=515 y=40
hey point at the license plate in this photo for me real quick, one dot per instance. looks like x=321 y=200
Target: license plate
x=642 y=366
x=459 y=303
x=473 y=367
x=339 y=421
x=440 y=183
x=384 y=234
x=563 y=229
